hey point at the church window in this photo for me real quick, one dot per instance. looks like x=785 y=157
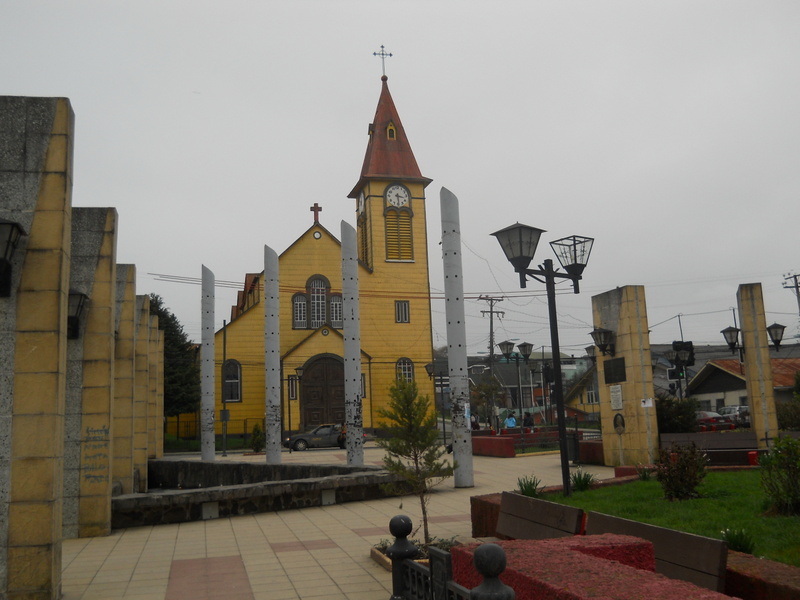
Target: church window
x=405 y=370
x=398 y=235
x=402 y=311
x=363 y=240
x=317 y=293
x=300 y=310
x=231 y=381
x=391 y=132
x=336 y=312
x=317 y=306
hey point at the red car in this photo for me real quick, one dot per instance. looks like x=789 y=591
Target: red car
x=711 y=421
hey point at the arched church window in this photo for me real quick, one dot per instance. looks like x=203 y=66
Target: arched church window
x=391 y=132
x=398 y=235
x=231 y=381
x=317 y=306
x=405 y=370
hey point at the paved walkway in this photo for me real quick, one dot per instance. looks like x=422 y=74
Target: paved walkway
x=301 y=554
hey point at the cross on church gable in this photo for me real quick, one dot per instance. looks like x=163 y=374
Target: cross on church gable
x=316 y=209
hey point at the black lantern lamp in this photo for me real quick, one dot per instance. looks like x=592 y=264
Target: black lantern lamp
x=591 y=353
x=10 y=232
x=429 y=370
x=519 y=244
x=75 y=307
x=573 y=254
x=775 y=332
x=604 y=340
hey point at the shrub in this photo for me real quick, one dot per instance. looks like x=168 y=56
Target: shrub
x=680 y=470
x=780 y=475
x=258 y=440
x=530 y=486
x=676 y=416
x=788 y=415
x=581 y=481
x=644 y=472
x=739 y=540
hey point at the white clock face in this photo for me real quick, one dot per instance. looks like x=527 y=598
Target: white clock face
x=397 y=195
x=361 y=203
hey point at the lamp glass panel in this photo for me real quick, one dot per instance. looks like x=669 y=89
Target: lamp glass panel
x=525 y=349
x=519 y=243
x=573 y=250
x=506 y=348
x=731 y=335
x=775 y=332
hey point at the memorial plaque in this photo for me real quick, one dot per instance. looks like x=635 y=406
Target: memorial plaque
x=614 y=370
x=616 y=397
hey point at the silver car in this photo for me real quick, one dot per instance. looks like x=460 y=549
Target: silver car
x=739 y=414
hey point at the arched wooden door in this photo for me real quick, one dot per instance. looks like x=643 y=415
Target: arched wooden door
x=322 y=392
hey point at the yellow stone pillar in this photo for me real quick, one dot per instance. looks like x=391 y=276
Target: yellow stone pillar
x=37 y=188
x=152 y=398
x=124 y=378
x=627 y=406
x=141 y=392
x=757 y=365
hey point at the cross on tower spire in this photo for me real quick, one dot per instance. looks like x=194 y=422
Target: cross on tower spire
x=316 y=209
x=384 y=55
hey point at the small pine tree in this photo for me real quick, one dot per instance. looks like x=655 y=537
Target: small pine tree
x=412 y=445
x=258 y=439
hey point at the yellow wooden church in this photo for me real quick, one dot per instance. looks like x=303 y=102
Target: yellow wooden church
x=394 y=299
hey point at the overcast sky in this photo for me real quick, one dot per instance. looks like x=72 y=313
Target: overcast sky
x=667 y=130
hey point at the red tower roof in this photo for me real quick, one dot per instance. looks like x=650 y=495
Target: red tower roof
x=388 y=157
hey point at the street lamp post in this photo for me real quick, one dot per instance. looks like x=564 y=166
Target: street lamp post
x=524 y=350
x=430 y=369
x=519 y=245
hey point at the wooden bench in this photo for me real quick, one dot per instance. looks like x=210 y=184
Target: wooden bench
x=722 y=448
x=525 y=518
x=694 y=558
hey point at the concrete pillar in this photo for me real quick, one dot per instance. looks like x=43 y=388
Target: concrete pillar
x=626 y=379
x=36 y=137
x=456 y=339
x=207 y=369
x=352 y=347
x=757 y=365
x=124 y=379
x=272 y=357
x=90 y=381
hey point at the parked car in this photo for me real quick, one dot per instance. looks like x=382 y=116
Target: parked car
x=711 y=421
x=739 y=414
x=328 y=435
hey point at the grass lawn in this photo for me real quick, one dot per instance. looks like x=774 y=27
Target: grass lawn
x=730 y=500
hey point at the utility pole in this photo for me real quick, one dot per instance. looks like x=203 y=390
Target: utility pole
x=793 y=286
x=492 y=312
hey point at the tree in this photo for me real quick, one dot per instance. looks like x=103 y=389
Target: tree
x=181 y=371
x=412 y=445
x=675 y=415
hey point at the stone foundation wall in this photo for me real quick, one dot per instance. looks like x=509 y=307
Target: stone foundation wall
x=196 y=491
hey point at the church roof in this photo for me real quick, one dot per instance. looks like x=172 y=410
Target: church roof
x=387 y=157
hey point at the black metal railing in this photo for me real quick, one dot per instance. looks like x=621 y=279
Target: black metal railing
x=412 y=580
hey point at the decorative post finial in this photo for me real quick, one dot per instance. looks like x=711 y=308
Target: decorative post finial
x=383 y=54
